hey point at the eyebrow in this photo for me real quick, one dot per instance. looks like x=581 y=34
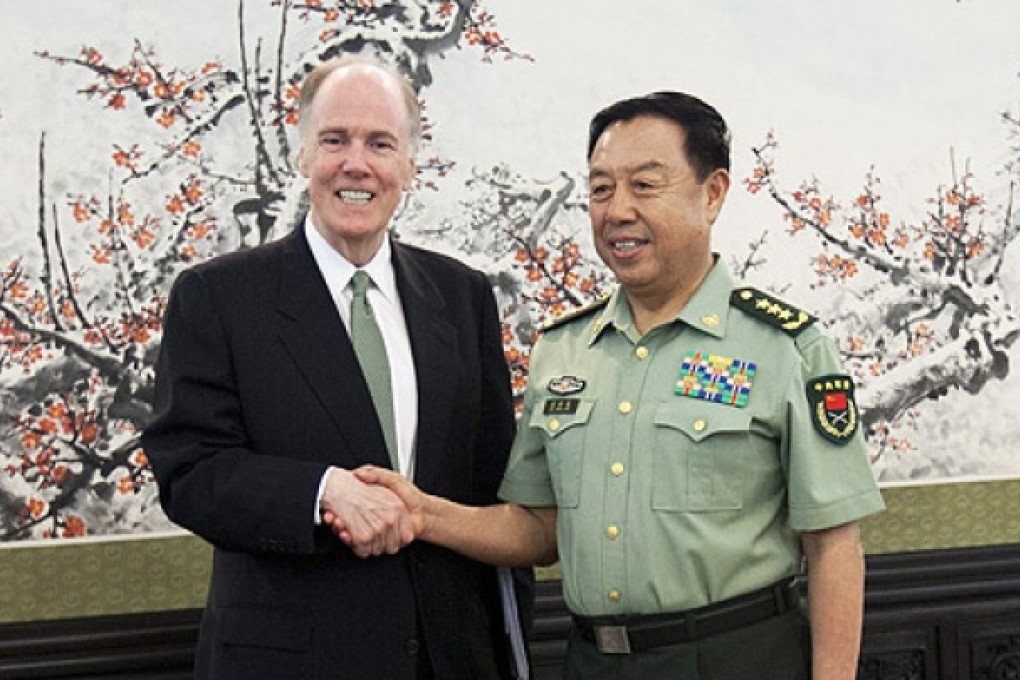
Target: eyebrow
x=647 y=165
x=370 y=134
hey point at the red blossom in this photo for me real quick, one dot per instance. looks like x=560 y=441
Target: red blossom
x=75 y=527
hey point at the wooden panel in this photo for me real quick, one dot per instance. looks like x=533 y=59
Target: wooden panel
x=938 y=615
x=153 y=646
x=906 y=654
x=945 y=614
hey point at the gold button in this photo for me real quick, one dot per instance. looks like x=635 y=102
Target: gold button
x=612 y=531
x=617 y=469
x=710 y=320
x=641 y=352
x=554 y=424
x=625 y=407
x=615 y=595
x=700 y=425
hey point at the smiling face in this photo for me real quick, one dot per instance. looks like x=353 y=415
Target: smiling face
x=356 y=153
x=651 y=217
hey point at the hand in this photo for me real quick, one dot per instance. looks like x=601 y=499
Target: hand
x=371 y=520
x=413 y=498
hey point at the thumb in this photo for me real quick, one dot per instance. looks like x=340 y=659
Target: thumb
x=369 y=474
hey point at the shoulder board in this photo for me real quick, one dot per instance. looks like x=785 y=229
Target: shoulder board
x=771 y=310
x=576 y=313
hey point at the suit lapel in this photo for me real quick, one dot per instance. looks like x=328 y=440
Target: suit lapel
x=308 y=325
x=433 y=344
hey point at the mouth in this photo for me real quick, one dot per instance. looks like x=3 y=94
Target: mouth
x=354 y=197
x=627 y=246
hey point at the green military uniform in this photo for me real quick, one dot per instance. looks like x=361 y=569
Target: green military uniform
x=684 y=462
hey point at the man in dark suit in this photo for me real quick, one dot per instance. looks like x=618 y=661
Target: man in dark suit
x=263 y=409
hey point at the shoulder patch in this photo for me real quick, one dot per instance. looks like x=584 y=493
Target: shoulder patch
x=575 y=313
x=833 y=409
x=772 y=311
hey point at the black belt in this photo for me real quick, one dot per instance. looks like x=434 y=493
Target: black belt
x=626 y=634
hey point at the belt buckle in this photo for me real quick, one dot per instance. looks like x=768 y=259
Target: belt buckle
x=612 y=639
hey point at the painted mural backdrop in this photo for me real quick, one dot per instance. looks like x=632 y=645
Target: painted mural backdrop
x=876 y=174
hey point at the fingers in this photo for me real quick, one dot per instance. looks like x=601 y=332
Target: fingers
x=386 y=536
x=378 y=529
x=369 y=519
x=337 y=526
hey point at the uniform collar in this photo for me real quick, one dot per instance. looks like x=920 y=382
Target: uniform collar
x=707 y=310
x=615 y=314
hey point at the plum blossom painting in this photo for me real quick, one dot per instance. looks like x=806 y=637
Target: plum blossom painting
x=876 y=178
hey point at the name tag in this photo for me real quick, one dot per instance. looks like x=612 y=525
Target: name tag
x=560 y=407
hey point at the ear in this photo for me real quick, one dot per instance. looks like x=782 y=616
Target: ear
x=303 y=161
x=412 y=169
x=715 y=188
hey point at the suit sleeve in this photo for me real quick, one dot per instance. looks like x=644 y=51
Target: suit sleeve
x=211 y=482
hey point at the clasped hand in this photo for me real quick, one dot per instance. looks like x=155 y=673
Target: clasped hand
x=372 y=510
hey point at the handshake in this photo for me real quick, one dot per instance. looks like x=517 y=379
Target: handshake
x=374 y=511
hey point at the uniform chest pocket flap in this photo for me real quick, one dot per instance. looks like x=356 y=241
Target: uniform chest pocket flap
x=700 y=456
x=563 y=421
x=556 y=415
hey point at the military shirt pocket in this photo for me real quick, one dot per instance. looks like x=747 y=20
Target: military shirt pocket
x=699 y=457
x=565 y=431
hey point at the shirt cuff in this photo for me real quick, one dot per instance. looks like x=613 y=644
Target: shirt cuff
x=318 y=497
x=835 y=514
x=527 y=495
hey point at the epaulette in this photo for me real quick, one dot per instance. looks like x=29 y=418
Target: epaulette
x=771 y=310
x=575 y=313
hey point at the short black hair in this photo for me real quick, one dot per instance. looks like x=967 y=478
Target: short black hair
x=706 y=136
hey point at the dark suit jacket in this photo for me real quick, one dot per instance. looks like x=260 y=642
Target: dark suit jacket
x=258 y=391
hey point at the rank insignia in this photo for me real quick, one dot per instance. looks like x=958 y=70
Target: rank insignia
x=565 y=385
x=717 y=379
x=772 y=311
x=833 y=411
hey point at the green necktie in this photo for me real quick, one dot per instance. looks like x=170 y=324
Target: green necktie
x=371 y=351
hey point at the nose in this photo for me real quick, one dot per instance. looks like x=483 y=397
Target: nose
x=620 y=207
x=354 y=160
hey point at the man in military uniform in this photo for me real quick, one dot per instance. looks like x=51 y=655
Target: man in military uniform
x=685 y=443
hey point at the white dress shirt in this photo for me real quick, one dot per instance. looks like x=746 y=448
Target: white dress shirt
x=389 y=314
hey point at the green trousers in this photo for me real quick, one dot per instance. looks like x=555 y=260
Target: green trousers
x=775 y=649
